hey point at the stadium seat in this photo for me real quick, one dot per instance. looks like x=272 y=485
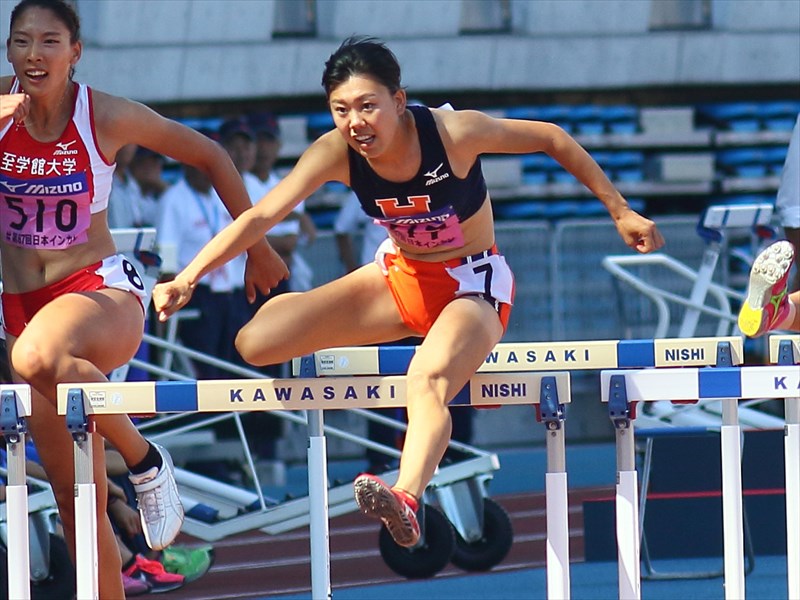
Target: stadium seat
x=774 y=157
x=742 y=162
x=626 y=166
x=733 y=116
x=778 y=116
x=587 y=119
x=319 y=123
x=620 y=119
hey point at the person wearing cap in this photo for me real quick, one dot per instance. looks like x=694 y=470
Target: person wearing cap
x=147 y=168
x=298 y=224
x=239 y=140
x=191 y=214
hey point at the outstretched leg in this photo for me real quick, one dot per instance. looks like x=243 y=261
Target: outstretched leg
x=455 y=347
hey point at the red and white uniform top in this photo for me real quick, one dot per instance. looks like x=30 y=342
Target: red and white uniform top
x=48 y=191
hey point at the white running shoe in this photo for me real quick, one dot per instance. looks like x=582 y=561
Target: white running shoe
x=160 y=506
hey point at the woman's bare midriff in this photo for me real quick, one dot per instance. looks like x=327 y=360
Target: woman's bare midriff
x=25 y=270
x=478 y=233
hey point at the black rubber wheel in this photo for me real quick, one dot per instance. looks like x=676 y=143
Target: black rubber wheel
x=494 y=545
x=60 y=582
x=431 y=557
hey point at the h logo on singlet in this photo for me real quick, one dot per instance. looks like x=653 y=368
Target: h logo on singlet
x=413 y=205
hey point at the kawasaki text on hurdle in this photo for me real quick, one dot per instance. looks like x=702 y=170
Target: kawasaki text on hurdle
x=79 y=402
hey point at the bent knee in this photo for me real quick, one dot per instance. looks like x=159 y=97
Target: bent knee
x=253 y=345
x=32 y=361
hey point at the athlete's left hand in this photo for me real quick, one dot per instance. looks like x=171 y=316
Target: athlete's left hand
x=638 y=232
x=264 y=270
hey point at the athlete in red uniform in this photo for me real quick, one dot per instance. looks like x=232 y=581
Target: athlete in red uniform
x=72 y=306
x=440 y=276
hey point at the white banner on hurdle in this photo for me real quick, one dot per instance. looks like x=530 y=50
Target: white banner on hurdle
x=312 y=395
x=14 y=409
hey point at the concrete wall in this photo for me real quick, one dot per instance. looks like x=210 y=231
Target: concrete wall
x=186 y=50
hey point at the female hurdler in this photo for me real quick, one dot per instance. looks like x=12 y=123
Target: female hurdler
x=439 y=275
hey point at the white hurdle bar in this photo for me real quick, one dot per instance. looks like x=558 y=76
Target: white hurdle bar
x=728 y=384
x=573 y=356
x=15 y=406
x=785 y=350
x=79 y=402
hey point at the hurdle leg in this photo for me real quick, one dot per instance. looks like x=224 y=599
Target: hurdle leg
x=627 y=503
x=732 y=519
x=19 y=563
x=318 y=507
x=557 y=506
x=86 y=563
x=792 y=451
x=14 y=427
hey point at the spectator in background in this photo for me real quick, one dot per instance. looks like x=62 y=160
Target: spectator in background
x=298 y=228
x=124 y=205
x=147 y=168
x=191 y=214
x=352 y=221
x=239 y=140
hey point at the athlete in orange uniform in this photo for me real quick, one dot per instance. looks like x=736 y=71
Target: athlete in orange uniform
x=440 y=275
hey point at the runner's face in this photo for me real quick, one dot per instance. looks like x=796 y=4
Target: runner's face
x=40 y=51
x=366 y=114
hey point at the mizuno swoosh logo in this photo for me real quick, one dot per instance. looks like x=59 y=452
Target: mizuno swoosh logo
x=435 y=173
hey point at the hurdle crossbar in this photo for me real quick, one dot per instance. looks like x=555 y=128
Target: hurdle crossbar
x=539 y=356
x=15 y=407
x=81 y=401
x=728 y=384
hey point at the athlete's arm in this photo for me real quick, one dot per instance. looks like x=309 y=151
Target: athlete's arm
x=468 y=134
x=121 y=121
x=318 y=164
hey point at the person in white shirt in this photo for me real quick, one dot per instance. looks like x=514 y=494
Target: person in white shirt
x=191 y=214
x=352 y=221
x=298 y=229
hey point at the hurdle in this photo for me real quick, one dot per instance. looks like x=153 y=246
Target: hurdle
x=785 y=350
x=728 y=384
x=80 y=402
x=572 y=355
x=15 y=406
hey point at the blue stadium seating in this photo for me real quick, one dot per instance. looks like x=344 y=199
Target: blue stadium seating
x=742 y=162
x=587 y=119
x=733 y=116
x=622 y=119
x=778 y=116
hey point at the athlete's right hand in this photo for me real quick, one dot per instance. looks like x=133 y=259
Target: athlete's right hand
x=169 y=297
x=13 y=106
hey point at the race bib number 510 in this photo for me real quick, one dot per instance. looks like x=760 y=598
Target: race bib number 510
x=45 y=214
